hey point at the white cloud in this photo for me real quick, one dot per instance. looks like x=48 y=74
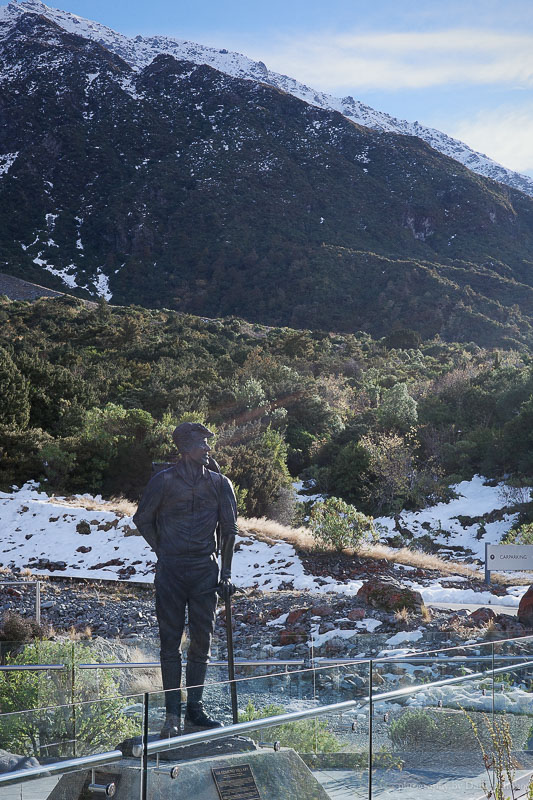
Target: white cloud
x=404 y=60
x=505 y=134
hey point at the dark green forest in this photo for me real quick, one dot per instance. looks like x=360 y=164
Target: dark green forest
x=91 y=393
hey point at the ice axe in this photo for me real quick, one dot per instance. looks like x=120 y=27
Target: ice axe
x=231 y=660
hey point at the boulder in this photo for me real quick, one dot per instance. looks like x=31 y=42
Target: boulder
x=356 y=614
x=481 y=616
x=295 y=615
x=390 y=595
x=11 y=761
x=525 y=608
x=325 y=627
x=322 y=611
x=292 y=636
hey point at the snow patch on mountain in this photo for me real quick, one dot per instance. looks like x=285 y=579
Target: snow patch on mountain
x=101 y=284
x=140 y=51
x=6 y=162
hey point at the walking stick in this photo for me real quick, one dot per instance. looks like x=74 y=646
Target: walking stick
x=214 y=467
x=231 y=661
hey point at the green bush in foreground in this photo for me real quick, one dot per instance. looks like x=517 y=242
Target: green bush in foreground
x=338 y=524
x=308 y=736
x=435 y=730
x=37 y=715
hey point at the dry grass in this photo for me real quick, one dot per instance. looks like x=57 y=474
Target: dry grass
x=117 y=505
x=425 y=613
x=145 y=680
x=402 y=615
x=267 y=530
x=76 y=635
x=489 y=629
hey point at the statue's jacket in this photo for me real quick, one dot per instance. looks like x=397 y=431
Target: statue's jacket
x=178 y=518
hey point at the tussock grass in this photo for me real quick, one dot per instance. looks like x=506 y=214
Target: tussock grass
x=269 y=531
x=119 y=505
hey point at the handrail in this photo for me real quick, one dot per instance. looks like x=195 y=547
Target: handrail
x=29 y=667
x=299 y=662
x=238 y=728
x=241 y=662
x=18 y=583
x=60 y=766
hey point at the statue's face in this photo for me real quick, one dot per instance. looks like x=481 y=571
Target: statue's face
x=199 y=452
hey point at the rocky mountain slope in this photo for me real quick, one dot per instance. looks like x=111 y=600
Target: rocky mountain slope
x=140 y=51
x=179 y=185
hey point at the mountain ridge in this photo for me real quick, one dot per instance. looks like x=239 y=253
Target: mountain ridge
x=139 y=51
x=181 y=185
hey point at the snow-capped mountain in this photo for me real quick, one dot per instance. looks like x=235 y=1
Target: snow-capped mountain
x=140 y=51
x=176 y=184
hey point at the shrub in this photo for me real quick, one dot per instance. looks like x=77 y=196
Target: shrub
x=308 y=736
x=413 y=729
x=521 y=535
x=36 y=713
x=432 y=731
x=337 y=524
x=16 y=628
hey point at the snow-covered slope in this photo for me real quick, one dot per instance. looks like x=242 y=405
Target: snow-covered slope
x=51 y=536
x=140 y=51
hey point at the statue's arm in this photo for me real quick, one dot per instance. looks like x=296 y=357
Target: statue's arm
x=228 y=527
x=145 y=518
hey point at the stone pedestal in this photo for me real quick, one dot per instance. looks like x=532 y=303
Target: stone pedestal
x=278 y=775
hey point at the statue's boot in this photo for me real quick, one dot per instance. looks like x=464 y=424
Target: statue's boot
x=171 y=726
x=171 y=674
x=195 y=715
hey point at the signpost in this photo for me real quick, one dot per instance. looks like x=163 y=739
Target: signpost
x=507 y=558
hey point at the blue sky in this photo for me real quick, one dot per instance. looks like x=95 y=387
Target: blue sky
x=463 y=67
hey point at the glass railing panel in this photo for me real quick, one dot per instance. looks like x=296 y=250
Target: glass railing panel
x=331 y=747
x=428 y=736
x=269 y=695
x=35 y=674
x=71 y=731
x=512 y=721
x=70 y=784
x=401 y=669
x=132 y=676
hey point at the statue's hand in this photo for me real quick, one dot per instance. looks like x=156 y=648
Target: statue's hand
x=226 y=588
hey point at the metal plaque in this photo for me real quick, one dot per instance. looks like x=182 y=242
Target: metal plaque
x=235 y=783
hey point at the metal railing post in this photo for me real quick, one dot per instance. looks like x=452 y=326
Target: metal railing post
x=370 y=731
x=73 y=699
x=38 y=602
x=144 y=777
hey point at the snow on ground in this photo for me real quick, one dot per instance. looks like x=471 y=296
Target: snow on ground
x=435 y=593
x=475 y=499
x=52 y=537
x=405 y=636
x=470 y=696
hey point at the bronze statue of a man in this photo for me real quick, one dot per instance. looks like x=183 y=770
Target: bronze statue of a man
x=178 y=516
